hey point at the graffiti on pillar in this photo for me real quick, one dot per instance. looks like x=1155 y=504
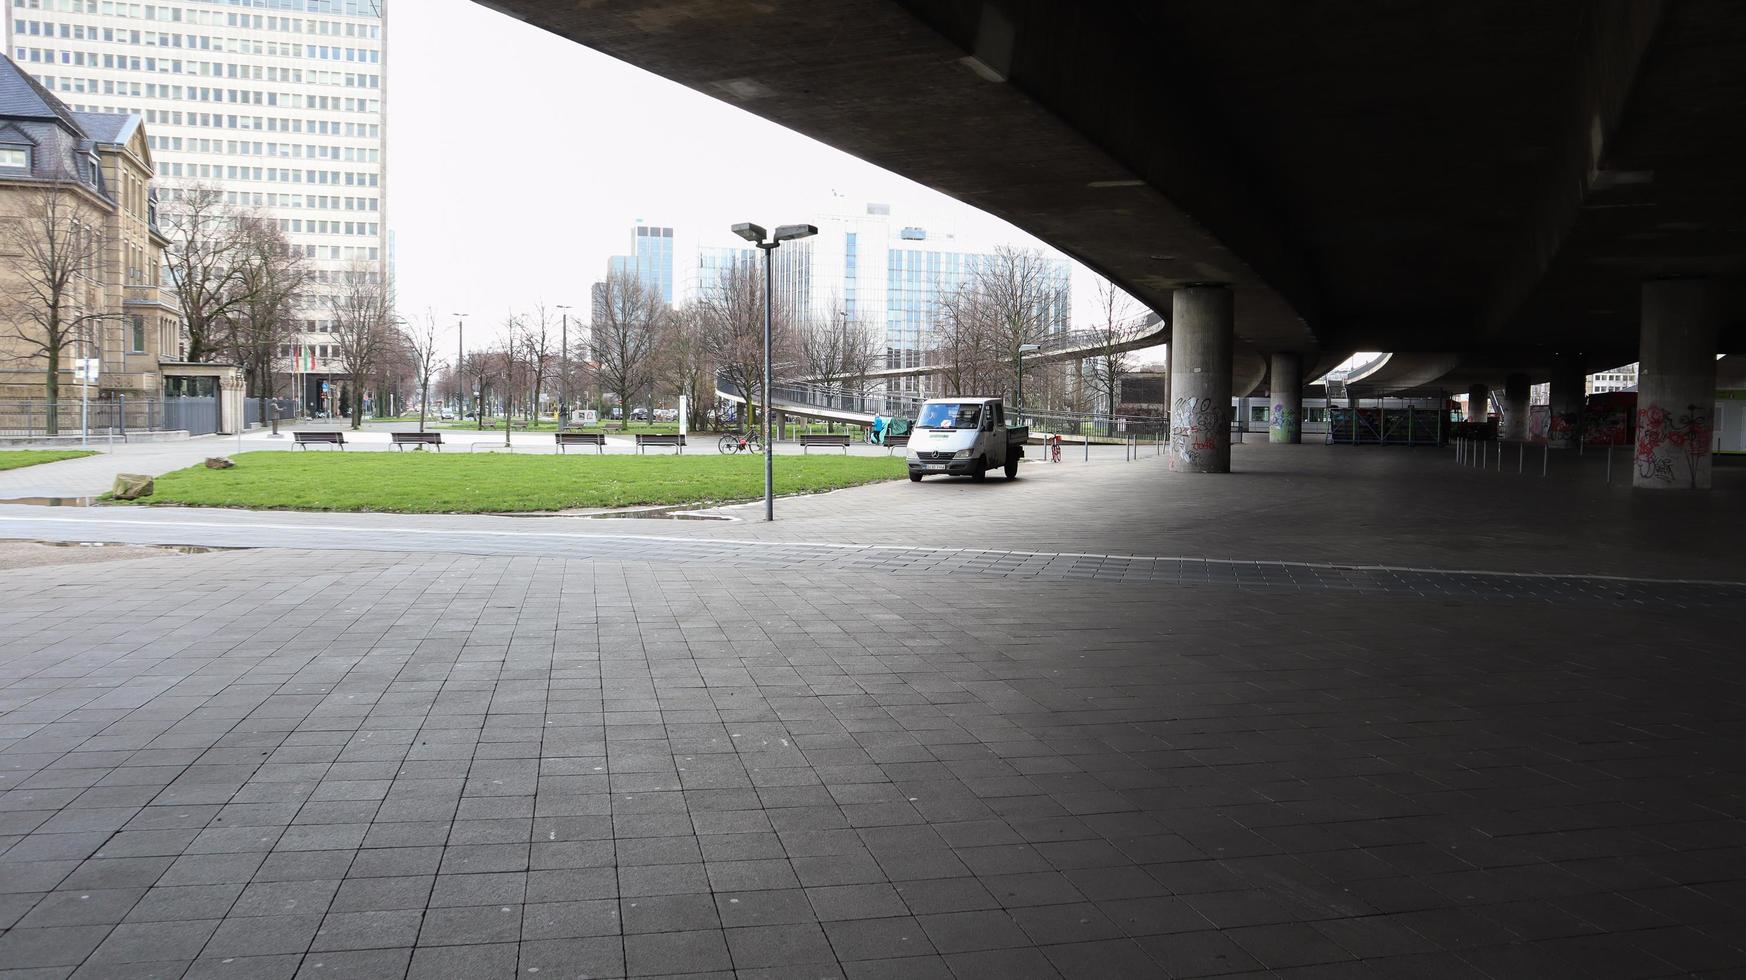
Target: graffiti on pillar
x=1283 y=420
x=1561 y=427
x=1671 y=443
x=1194 y=431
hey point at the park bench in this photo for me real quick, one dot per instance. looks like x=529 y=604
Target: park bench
x=832 y=441
x=595 y=439
x=404 y=439
x=676 y=441
x=894 y=443
x=307 y=439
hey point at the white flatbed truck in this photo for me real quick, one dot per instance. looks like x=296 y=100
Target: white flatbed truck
x=964 y=437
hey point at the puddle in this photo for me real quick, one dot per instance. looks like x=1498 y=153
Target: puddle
x=661 y=514
x=675 y=513
x=53 y=501
x=180 y=549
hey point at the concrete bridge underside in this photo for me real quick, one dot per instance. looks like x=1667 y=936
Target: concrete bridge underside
x=1491 y=183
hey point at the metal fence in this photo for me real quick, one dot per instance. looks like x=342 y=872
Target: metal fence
x=39 y=418
x=279 y=408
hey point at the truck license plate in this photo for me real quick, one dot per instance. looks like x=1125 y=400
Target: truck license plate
x=934 y=467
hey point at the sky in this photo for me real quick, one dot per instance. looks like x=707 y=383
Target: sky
x=522 y=160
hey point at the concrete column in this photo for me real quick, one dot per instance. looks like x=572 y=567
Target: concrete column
x=1515 y=407
x=1676 y=384
x=1564 y=422
x=1478 y=402
x=1200 y=380
x=1285 y=421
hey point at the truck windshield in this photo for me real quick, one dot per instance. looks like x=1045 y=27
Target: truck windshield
x=963 y=416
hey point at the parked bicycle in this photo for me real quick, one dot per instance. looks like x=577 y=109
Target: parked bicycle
x=732 y=443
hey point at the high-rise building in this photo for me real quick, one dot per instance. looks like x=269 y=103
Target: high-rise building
x=277 y=103
x=888 y=276
x=650 y=261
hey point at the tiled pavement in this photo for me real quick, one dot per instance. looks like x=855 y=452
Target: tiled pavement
x=346 y=762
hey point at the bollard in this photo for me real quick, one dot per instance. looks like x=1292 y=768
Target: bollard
x=1609 y=466
x=1545 y=455
x=1521 y=451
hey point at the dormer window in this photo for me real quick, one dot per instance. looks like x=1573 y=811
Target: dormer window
x=14 y=158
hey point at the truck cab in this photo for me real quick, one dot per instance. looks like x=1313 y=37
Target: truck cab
x=964 y=437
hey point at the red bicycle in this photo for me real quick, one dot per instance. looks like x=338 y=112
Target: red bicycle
x=732 y=443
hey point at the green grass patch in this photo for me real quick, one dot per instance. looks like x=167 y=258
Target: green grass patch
x=11 y=459
x=433 y=483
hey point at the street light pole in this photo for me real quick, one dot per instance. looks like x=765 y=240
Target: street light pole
x=1018 y=363
x=460 y=357
x=564 y=379
x=769 y=449
x=755 y=234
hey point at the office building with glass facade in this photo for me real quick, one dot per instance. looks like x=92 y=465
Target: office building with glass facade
x=650 y=261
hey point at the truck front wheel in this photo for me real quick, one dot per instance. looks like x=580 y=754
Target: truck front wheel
x=980 y=473
x=1012 y=467
x=915 y=478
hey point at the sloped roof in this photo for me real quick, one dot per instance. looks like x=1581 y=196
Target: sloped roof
x=13 y=133
x=108 y=127
x=22 y=97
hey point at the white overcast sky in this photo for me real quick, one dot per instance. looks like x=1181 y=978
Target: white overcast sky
x=521 y=160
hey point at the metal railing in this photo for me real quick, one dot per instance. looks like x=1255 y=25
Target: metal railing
x=70 y=417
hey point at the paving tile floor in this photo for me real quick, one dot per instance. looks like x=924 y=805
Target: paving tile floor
x=999 y=746
x=323 y=763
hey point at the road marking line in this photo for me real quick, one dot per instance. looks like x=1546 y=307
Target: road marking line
x=844 y=546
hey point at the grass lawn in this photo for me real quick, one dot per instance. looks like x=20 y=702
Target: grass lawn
x=431 y=483
x=11 y=459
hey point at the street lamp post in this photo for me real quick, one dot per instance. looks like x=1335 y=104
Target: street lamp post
x=564 y=379
x=460 y=358
x=755 y=234
x=1018 y=363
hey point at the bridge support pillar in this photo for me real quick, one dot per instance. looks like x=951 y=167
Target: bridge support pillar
x=1515 y=407
x=1676 y=384
x=1285 y=421
x=1564 y=421
x=1201 y=341
x=1478 y=402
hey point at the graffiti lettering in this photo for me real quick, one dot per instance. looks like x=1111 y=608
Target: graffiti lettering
x=1664 y=437
x=1195 y=424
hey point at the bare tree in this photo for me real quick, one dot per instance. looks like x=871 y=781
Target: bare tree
x=510 y=366
x=540 y=337
x=836 y=351
x=624 y=337
x=963 y=341
x=207 y=259
x=1114 y=327
x=421 y=344
x=271 y=276
x=361 y=303
x=54 y=251
x=1016 y=293
x=686 y=365
x=733 y=330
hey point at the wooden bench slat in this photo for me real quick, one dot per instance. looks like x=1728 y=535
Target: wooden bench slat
x=659 y=439
x=307 y=439
x=833 y=440
x=595 y=439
